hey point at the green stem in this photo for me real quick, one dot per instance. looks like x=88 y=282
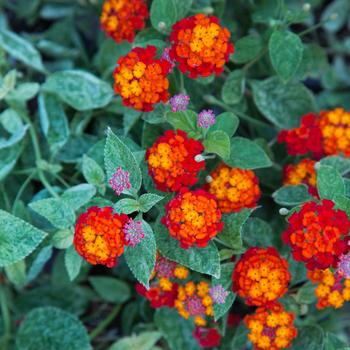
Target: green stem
x=106 y=322
x=6 y=320
x=21 y=190
x=6 y=198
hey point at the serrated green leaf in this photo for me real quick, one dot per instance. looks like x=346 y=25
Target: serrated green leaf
x=39 y=263
x=111 y=289
x=204 y=260
x=117 y=154
x=329 y=182
x=339 y=163
x=286 y=52
x=17 y=238
x=163 y=15
x=226 y=122
x=126 y=206
x=51 y=328
x=76 y=196
x=257 y=232
x=183 y=120
x=62 y=239
x=80 y=90
x=233 y=88
x=148 y=200
x=246 y=154
x=247 y=48
x=142 y=257
x=292 y=195
x=142 y=341
x=72 y=261
x=217 y=142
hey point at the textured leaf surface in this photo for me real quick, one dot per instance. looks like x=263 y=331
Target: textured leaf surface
x=142 y=341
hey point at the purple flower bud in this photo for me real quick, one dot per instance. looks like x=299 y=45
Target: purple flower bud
x=179 y=102
x=218 y=294
x=133 y=232
x=120 y=181
x=206 y=118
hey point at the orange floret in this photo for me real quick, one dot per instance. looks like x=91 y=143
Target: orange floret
x=141 y=79
x=234 y=188
x=193 y=218
x=261 y=276
x=200 y=45
x=99 y=236
x=301 y=173
x=194 y=300
x=171 y=161
x=271 y=328
x=335 y=129
x=120 y=19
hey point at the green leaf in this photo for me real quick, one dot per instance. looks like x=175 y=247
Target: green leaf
x=17 y=238
x=117 y=154
x=204 y=260
x=77 y=196
x=342 y=202
x=183 y=120
x=171 y=324
x=80 y=90
x=246 y=154
x=39 y=262
x=182 y=8
x=310 y=338
x=329 y=182
x=247 y=49
x=226 y=282
x=92 y=172
x=292 y=195
x=126 y=206
x=149 y=200
x=51 y=328
x=16 y=273
x=142 y=341
x=332 y=342
x=217 y=142
x=335 y=15
x=276 y=101
x=111 y=289
x=232 y=232
x=21 y=49
x=306 y=294
x=226 y=122
x=53 y=120
x=339 y=163
x=56 y=211
x=257 y=232
x=233 y=88
x=142 y=257
x=62 y=239
x=23 y=92
x=286 y=53
x=11 y=121
x=8 y=83
x=72 y=261
x=163 y=15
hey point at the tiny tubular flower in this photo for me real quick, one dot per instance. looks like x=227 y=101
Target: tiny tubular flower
x=343 y=268
x=141 y=79
x=271 y=328
x=133 y=232
x=193 y=218
x=234 y=188
x=200 y=45
x=99 y=237
x=179 y=102
x=301 y=173
x=171 y=161
x=120 y=181
x=333 y=289
x=218 y=294
x=317 y=234
x=206 y=118
x=194 y=300
x=261 y=276
x=120 y=19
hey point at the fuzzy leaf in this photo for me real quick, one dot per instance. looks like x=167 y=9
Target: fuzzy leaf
x=142 y=341
x=163 y=15
x=292 y=195
x=148 y=200
x=217 y=142
x=72 y=261
x=226 y=122
x=78 y=195
x=186 y=121
x=39 y=262
x=310 y=338
x=126 y=206
x=92 y=172
x=233 y=88
x=247 y=48
x=329 y=182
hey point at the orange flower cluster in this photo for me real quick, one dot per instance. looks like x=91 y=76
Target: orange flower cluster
x=194 y=300
x=120 y=19
x=317 y=233
x=99 y=236
x=325 y=134
x=272 y=328
x=200 y=45
x=335 y=129
x=171 y=160
x=141 y=79
x=234 y=188
x=301 y=173
x=193 y=218
x=261 y=276
x=332 y=289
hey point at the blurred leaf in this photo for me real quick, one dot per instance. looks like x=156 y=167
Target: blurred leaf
x=126 y=206
x=149 y=200
x=16 y=273
x=62 y=239
x=233 y=88
x=11 y=121
x=182 y=8
x=39 y=262
x=18 y=238
x=306 y=293
x=77 y=196
x=80 y=90
x=111 y=289
x=329 y=182
x=92 y=172
x=226 y=122
x=72 y=261
x=217 y=142
x=247 y=49
x=163 y=15
x=257 y=232
x=142 y=341
x=292 y=195
x=286 y=52
x=52 y=328
x=246 y=154
x=310 y=338
x=142 y=257
x=332 y=342
x=335 y=15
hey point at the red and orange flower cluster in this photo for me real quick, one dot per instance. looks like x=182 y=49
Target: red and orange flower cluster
x=120 y=19
x=317 y=234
